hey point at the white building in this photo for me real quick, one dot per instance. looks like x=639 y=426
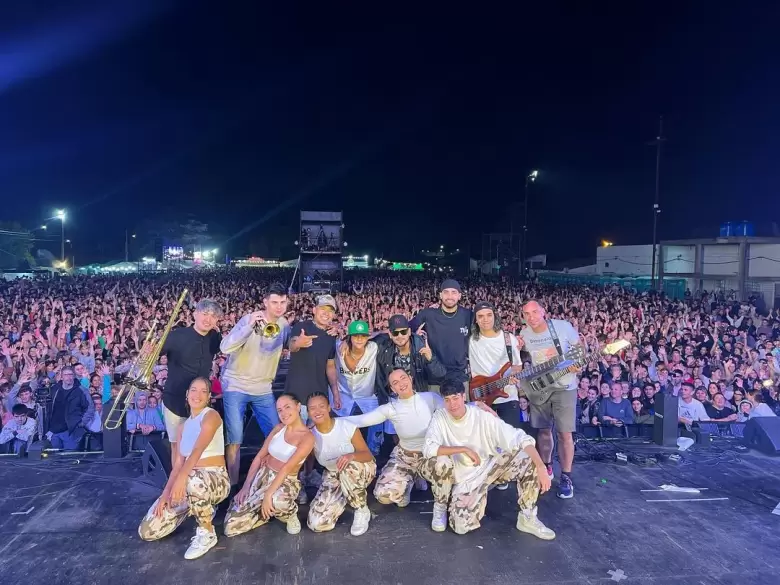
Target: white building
x=746 y=265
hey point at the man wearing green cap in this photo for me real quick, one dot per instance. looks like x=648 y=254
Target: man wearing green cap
x=356 y=374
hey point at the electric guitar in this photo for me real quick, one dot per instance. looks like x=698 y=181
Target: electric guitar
x=487 y=388
x=538 y=388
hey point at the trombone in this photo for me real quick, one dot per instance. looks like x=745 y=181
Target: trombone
x=140 y=374
x=268 y=330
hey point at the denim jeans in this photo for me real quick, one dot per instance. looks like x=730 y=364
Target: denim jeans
x=235 y=403
x=66 y=440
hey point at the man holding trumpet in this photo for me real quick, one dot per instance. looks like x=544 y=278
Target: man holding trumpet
x=254 y=347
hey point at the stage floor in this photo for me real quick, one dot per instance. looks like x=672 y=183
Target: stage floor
x=65 y=522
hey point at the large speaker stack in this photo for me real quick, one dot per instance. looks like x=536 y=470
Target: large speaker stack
x=321 y=248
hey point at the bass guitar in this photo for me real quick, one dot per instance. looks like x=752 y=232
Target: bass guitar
x=487 y=388
x=539 y=387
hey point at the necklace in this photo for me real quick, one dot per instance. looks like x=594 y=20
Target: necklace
x=446 y=314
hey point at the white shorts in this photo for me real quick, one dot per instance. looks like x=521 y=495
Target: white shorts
x=172 y=423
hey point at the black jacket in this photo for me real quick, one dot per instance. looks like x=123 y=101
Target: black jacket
x=78 y=409
x=422 y=370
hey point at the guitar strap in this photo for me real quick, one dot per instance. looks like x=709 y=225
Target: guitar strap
x=508 y=344
x=554 y=337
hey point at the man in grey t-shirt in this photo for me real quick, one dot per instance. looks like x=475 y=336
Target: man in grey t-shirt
x=559 y=408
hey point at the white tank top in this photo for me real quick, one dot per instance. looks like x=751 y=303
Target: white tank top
x=280 y=449
x=191 y=432
x=328 y=447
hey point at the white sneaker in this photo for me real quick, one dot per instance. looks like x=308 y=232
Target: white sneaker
x=360 y=521
x=502 y=486
x=293 y=525
x=202 y=542
x=420 y=484
x=407 y=496
x=303 y=498
x=439 y=522
x=528 y=522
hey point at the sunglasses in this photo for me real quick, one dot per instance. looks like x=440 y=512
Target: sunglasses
x=398 y=332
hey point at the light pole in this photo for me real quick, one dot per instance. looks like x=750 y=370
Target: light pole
x=528 y=180
x=61 y=216
x=656 y=209
x=127 y=246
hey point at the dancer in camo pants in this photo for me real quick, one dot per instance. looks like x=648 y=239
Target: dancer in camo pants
x=337 y=490
x=392 y=486
x=206 y=488
x=468 y=507
x=246 y=516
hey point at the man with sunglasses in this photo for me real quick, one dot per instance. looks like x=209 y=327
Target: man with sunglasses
x=405 y=350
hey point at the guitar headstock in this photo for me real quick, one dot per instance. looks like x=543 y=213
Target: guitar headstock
x=616 y=346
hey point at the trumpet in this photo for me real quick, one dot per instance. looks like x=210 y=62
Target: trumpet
x=268 y=330
x=140 y=374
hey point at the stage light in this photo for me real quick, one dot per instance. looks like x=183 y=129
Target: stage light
x=533 y=175
x=43 y=227
x=60 y=214
x=215 y=250
x=606 y=244
x=365 y=258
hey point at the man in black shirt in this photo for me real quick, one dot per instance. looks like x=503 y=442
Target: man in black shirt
x=190 y=352
x=447 y=328
x=313 y=354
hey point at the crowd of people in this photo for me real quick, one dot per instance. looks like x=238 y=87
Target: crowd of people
x=376 y=356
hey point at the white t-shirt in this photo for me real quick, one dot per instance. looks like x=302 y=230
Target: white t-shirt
x=410 y=417
x=329 y=447
x=360 y=383
x=542 y=348
x=488 y=354
x=694 y=410
x=482 y=432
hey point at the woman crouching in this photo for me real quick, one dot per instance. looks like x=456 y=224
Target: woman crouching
x=198 y=480
x=349 y=468
x=271 y=487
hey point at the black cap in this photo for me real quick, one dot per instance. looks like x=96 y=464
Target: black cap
x=483 y=305
x=450 y=283
x=397 y=322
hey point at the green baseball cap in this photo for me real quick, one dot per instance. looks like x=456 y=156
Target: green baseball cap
x=357 y=328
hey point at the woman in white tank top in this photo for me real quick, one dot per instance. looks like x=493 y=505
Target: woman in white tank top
x=349 y=469
x=198 y=480
x=272 y=486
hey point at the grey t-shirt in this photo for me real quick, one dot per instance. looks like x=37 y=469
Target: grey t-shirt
x=542 y=348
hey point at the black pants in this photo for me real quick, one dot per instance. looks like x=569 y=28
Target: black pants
x=509 y=412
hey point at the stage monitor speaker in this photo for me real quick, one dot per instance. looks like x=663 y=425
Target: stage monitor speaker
x=156 y=462
x=665 y=421
x=114 y=441
x=763 y=433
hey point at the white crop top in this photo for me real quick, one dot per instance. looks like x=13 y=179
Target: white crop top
x=280 y=449
x=329 y=447
x=191 y=432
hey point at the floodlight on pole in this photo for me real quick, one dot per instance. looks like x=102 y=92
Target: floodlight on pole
x=60 y=214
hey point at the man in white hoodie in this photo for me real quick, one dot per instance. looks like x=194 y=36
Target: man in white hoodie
x=485 y=451
x=250 y=370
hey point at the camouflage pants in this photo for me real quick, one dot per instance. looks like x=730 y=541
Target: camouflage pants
x=206 y=487
x=336 y=491
x=468 y=505
x=242 y=518
x=404 y=467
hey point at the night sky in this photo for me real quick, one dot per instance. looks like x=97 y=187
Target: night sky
x=420 y=126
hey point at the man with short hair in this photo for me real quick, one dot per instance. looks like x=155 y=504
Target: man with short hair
x=558 y=407
x=485 y=451
x=71 y=412
x=447 y=328
x=190 y=352
x=249 y=372
x=18 y=432
x=690 y=410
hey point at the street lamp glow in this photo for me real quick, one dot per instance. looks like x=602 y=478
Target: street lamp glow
x=43 y=227
x=533 y=175
x=60 y=214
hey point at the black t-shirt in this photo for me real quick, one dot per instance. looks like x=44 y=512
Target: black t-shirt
x=716 y=414
x=448 y=336
x=307 y=365
x=190 y=356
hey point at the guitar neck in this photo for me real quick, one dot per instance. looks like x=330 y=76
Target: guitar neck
x=577 y=364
